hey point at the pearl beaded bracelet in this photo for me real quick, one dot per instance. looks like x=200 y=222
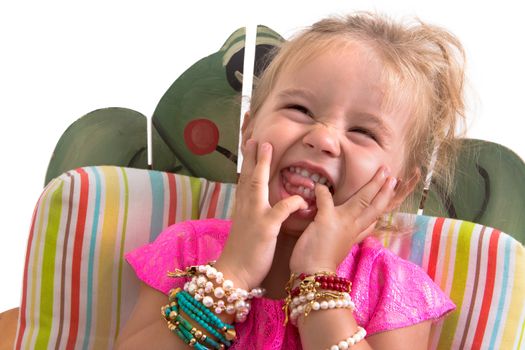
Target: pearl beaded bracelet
x=344 y=344
x=320 y=291
x=319 y=301
x=220 y=296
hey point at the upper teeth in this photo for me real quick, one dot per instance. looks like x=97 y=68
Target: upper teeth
x=315 y=177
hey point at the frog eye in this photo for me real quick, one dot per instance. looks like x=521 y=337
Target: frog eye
x=266 y=42
x=234 y=70
x=233 y=57
x=263 y=55
x=266 y=46
x=234 y=67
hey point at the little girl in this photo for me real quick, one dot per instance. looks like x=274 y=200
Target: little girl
x=343 y=123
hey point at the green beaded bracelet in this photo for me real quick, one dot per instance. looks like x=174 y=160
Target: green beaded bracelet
x=198 y=334
x=196 y=315
x=218 y=322
x=227 y=329
x=185 y=337
x=175 y=321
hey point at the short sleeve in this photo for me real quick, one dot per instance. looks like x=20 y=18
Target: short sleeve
x=391 y=292
x=178 y=246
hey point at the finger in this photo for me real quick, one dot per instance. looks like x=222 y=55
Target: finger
x=403 y=189
x=364 y=196
x=249 y=160
x=323 y=198
x=284 y=208
x=264 y=159
x=379 y=205
x=261 y=172
x=383 y=198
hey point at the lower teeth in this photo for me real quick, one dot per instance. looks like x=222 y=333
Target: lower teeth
x=306 y=193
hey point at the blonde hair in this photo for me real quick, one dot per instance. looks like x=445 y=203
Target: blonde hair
x=423 y=67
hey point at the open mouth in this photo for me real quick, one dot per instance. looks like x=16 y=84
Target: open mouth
x=301 y=181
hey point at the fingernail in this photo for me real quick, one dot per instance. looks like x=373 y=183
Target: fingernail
x=392 y=182
x=385 y=172
x=265 y=146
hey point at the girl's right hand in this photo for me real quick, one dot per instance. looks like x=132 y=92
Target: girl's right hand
x=248 y=253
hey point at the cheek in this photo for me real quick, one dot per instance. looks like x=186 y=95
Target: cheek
x=366 y=169
x=397 y=164
x=359 y=170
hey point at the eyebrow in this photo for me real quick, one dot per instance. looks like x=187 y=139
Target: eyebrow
x=375 y=120
x=294 y=92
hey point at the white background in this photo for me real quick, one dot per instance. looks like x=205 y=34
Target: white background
x=61 y=59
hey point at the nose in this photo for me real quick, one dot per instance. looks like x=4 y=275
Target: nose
x=323 y=138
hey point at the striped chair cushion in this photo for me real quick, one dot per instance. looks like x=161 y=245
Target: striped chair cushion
x=78 y=292
x=482 y=270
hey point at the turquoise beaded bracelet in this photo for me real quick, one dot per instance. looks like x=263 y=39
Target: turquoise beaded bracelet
x=188 y=331
x=183 y=295
x=179 y=299
x=197 y=316
x=227 y=329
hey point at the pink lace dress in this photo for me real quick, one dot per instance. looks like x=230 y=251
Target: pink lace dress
x=388 y=291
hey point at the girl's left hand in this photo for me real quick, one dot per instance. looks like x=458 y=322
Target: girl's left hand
x=335 y=229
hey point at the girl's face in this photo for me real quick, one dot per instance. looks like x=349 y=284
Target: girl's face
x=325 y=123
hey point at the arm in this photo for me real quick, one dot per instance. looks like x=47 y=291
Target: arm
x=339 y=324
x=254 y=232
x=146 y=329
x=326 y=241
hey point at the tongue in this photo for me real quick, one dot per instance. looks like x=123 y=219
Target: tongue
x=296 y=184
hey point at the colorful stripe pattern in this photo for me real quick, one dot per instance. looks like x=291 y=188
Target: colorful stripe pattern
x=482 y=270
x=77 y=292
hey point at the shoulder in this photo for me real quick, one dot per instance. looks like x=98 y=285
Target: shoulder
x=179 y=245
x=391 y=292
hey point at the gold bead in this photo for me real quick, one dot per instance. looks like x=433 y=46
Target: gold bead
x=198 y=334
x=173 y=292
x=192 y=342
x=230 y=334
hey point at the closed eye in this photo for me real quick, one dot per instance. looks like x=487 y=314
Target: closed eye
x=365 y=132
x=301 y=109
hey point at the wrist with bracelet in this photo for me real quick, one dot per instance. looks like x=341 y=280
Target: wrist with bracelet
x=320 y=291
x=206 y=295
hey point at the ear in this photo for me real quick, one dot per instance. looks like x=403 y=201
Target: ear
x=246 y=129
x=405 y=188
